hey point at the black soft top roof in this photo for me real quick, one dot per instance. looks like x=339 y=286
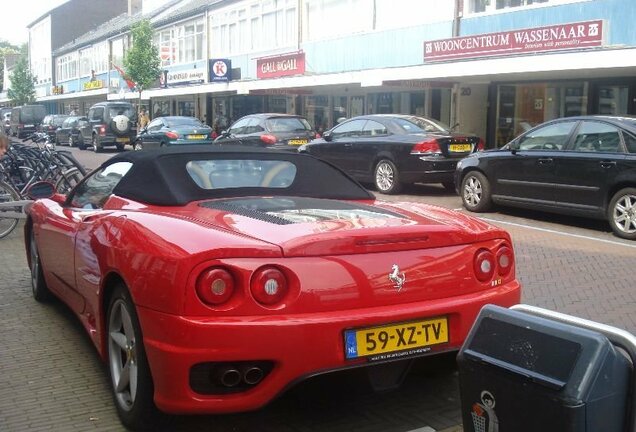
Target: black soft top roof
x=159 y=177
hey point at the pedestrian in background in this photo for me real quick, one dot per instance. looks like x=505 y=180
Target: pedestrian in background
x=4 y=144
x=143 y=119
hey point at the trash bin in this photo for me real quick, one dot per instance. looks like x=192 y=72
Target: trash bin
x=520 y=372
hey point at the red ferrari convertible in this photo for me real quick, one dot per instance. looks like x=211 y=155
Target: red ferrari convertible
x=211 y=280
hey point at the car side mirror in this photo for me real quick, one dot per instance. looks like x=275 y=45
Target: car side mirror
x=327 y=136
x=41 y=189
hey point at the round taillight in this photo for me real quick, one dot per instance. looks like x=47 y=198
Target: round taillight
x=504 y=260
x=484 y=265
x=268 y=139
x=269 y=286
x=215 y=286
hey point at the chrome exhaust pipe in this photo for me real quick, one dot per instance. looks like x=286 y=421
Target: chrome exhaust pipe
x=230 y=377
x=252 y=375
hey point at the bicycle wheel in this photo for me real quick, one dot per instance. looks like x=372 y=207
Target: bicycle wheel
x=7 y=195
x=68 y=180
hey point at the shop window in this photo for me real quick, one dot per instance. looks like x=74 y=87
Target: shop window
x=160 y=108
x=477 y=6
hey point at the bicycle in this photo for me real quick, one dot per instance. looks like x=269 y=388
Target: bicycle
x=24 y=165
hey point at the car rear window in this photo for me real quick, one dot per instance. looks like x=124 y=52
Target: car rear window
x=116 y=110
x=241 y=173
x=183 y=121
x=287 y=124
x=33 y=114
x=413 y=125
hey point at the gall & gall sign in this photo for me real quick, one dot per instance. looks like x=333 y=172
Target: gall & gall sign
x=569 y=36
x=284 y=65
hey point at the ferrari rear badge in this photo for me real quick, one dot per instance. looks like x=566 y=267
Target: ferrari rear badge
x=397 y=278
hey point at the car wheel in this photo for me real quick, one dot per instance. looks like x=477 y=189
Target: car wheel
x=71 y=141
x=120 y=147
x=475 y=192
x=96 y=146
x=80 y=143
x=450 y=186
x=131 y=380
x=386 y=177
x=622 y=213
x=39 y=289
x=138 y=146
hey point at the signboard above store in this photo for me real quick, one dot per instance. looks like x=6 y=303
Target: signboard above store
x=93 y=85
x=220 y=70
x=418 y=84
x=279 y=66
x=568 y=36
x=188 y=76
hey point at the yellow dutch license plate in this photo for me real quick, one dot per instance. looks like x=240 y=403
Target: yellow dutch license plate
x=297 y=142
x=193 y=137
x=125 y=139
x=460 y=147
x=406 y=339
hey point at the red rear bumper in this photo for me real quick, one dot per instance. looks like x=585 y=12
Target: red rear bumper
x=298 y=345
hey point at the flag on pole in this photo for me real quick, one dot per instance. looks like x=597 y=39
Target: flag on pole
x=130 y=83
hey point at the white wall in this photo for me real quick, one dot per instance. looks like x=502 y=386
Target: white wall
x=472 y=109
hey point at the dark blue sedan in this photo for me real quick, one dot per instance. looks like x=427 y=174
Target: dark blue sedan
x=174 y=130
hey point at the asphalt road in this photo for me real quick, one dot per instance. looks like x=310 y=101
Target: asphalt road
x=52 y=379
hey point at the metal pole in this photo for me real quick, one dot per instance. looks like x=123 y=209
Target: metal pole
x=618 y=337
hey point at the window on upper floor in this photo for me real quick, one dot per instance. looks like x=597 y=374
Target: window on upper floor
x=183 y=43
x=326 y=19
x=253 y=26
x=118 y=48
x=66 y=67
x=477 y=6
x=389 y=14
x=93 y=59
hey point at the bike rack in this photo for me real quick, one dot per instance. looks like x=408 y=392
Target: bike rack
x=619 y=337
x=7 y=209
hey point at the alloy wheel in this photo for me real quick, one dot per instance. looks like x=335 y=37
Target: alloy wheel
x=624 y=214
x=384 y=176
x=472 y=191
x=122 y=353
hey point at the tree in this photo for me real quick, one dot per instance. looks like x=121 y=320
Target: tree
x=22 y=89
x=5 y=48
x=141 y=62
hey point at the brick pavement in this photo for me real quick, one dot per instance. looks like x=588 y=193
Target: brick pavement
x=52 y=379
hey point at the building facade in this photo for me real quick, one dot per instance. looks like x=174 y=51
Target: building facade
x=490 y=67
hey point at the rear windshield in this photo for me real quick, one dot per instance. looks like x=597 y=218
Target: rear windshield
x=183 y=121
x=412 y=125
x=115 y=110
x=32 y=114
x=241 y=173
x=287 y=124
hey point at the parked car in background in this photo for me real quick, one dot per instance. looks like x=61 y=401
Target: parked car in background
x=583 y=166
x=274 y=131
x=73 y=132
x=200 y=276
x=113 y=124
x=390 y=150
x=173 y=130
x=25 y=119
x=50 y=123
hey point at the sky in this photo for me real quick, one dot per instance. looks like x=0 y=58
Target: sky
x=16 y=15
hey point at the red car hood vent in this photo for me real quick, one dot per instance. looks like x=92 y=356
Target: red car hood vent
x=314 y=227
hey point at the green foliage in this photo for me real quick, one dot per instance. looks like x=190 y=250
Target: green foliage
x=6 y=48
x=142 y=61
x=22 y=89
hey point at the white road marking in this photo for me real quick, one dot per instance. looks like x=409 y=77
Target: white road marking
x=561 y=233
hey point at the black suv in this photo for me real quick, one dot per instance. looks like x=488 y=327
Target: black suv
x=113 y=124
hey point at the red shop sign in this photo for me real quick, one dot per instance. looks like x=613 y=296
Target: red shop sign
x=569 y=36
x=284 y=65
